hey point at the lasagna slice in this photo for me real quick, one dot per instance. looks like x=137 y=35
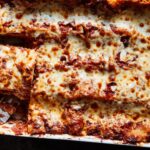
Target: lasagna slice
x=109 y=120
x=98 y=68
x=76 y=84
x=41 y=18
x=16 y=71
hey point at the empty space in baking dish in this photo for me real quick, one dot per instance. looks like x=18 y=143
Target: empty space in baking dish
x=19 y=40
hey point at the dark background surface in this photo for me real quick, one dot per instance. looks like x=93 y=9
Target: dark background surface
x=21 y=143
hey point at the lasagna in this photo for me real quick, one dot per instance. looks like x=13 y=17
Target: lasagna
x=16 y=71
x=84 y=70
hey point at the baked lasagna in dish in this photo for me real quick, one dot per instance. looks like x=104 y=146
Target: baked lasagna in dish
x=16 y=71
x=82 y=70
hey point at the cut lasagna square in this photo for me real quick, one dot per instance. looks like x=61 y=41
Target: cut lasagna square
x=16 y=71
x=109 y=120
x=74 y=70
